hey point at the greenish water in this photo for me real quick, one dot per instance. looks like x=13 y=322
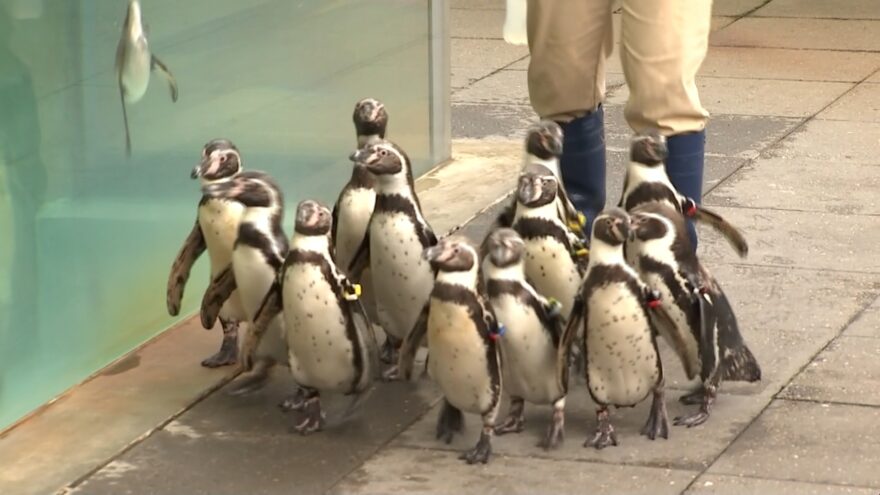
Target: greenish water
x=87 y=235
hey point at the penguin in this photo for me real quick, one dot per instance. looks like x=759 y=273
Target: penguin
x=705 y=334
x=392 y=248
x=552 y=262
x=135 y=63
x=646 y=181
x=258 y=254
x=215 y=229
x=543 y=146
x=622 y=361
x=532 y=330
x=354 y=206
x=463 y=355
x=331 y=347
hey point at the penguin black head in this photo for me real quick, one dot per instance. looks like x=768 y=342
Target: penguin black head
x=612 y=226
x=652 y=221
x=536 y=189
x=382 y=158
x=648 y=148
x=505 y=247
x=312 y=218
x=544 y=140
x=252 y=189
x=451 y=255
x=220 y=160
x=370 y=118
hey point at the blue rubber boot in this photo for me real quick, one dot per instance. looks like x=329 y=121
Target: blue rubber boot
x=583 y=164
x=684 y=166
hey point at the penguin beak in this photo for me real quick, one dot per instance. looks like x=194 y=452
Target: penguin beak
x=623 y=229
x=199 y=169
x=433 y=253
x=361 y=155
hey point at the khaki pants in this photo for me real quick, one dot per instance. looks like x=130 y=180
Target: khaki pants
x=662 y=45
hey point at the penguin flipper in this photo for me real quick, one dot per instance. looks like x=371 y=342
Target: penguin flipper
x=361 y=258
x=708 y=339
x=192 y=248
x=411 y=344
x=719 y=223
x=155 y=63
x=334 y=225
x=124 y=112
x=367 y=335
x=217 y=293
x=579 y=314
x=268 y=310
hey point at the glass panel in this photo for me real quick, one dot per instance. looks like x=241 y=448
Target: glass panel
x=87 y=235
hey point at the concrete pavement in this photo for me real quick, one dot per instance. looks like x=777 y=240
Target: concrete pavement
x=794 y=90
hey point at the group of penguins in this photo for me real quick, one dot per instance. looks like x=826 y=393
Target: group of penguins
x=499 y=316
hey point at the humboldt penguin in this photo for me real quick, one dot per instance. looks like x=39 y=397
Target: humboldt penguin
x=532 y=329
x=543 y=150
x=135 y=63
x=705 y=334
x=331 y=346
x=622 y=361
x=393 y=246
x=463 y=355
x=646 y=181
x=257 y=256
x=354 y=206
x=553 y=263
x=215 y=229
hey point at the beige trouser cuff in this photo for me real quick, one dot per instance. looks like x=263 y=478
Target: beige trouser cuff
x=662 y=45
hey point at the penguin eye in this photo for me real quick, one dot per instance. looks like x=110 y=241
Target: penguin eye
x=222 y=158
x=383 y=152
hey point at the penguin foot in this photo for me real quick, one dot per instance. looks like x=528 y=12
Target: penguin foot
x=296 y=402
x=515 y=421
x=555 y=432
x=658 y=421
x=450 y=422
x=695 y=397
x=699 y=417
x=228 y=353
x=391 y=374
x=605 y=434
x=314 y=417
x=483 y=449
x=251 y=381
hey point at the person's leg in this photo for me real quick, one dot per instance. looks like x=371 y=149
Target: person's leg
x=568 y=43
x=663 y=44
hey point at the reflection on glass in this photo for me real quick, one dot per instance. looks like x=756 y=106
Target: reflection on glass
x=87 y=235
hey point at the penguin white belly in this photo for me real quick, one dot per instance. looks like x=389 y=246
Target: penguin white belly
x=682 y=340
x=622 y=362
x=457 y=359
x=136 y=70
x=316 y=330
x=253 y=276
x=552 y=272
x=527 y=351
x=218 y=220
x=355 y=209
x=402 y=279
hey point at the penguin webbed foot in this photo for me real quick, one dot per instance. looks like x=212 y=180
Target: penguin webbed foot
x=482 y=451
x=253 y=380
x=555 y=432
x=515 y=421
x=295 y=402
x=450 y=422
x=391 y=374
x=227 y=355
x=707 y=398
x=605 y=434
x=694 y=397
x=314 y=417
x=658 y=421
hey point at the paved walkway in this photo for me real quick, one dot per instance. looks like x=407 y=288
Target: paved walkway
x=795 y=96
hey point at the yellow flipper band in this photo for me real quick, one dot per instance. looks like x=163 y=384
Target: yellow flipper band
x=354 y=294
x=582 y=252
x=582 y=219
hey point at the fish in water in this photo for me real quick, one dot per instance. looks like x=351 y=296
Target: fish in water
x=135 y=63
